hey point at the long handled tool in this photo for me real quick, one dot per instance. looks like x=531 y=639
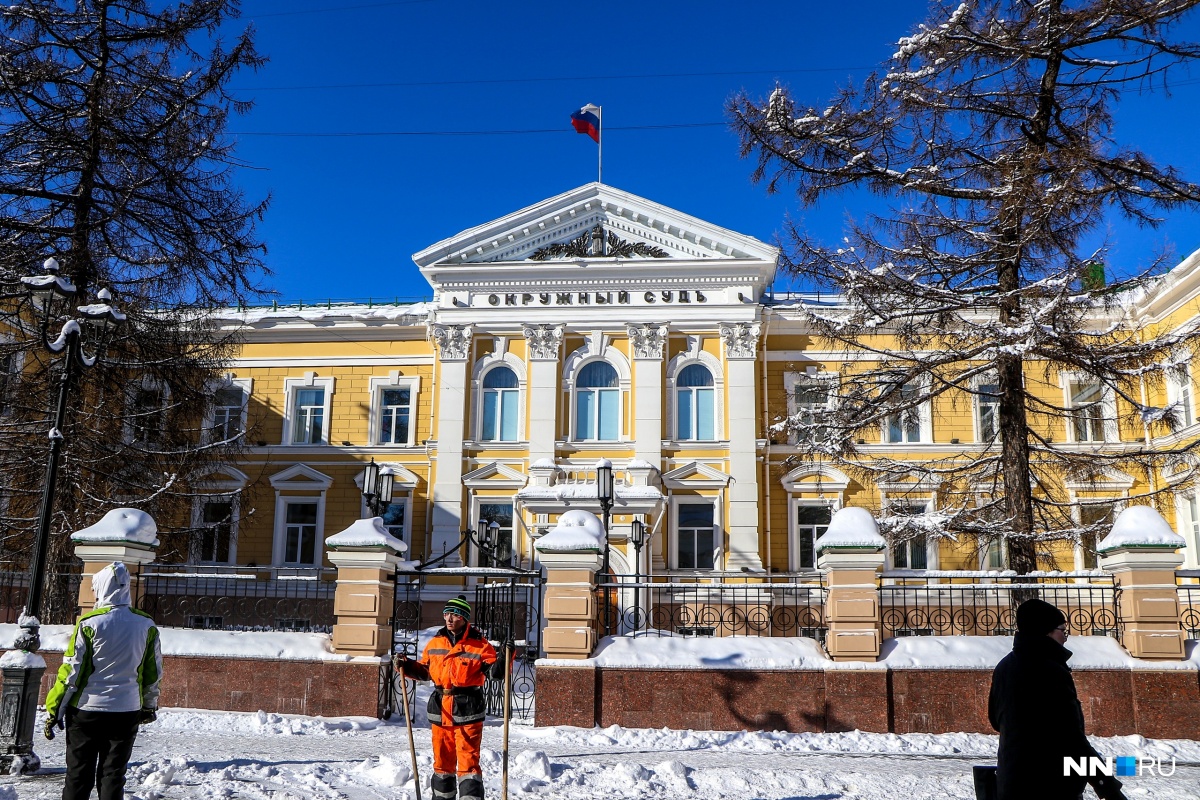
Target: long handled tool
x=508 y=661
x=412 y=747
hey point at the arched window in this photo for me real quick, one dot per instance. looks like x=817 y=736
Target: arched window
x=501 y=393
x=695 y=407
x=597 y=403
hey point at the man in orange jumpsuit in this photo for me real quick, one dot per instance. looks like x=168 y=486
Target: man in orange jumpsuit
x=458 y=660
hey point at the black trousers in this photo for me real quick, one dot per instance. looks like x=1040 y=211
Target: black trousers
x=99 y=744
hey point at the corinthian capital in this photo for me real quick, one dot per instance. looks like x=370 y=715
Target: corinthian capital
x=453 y=341
x=544 y=341
x=648 y=340
x=741 y=339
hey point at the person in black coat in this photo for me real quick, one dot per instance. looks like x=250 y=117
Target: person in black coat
x=1034 y=707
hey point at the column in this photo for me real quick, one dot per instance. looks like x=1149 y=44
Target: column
x=1142 y=553
x=648 y=342
x=454 y=346
x=741 y=347
x=569 y=607
x=545 y=342
x=366 y=557
x=128 y=535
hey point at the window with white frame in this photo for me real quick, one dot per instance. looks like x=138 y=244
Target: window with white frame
x=987 y=410
x=394 y=519
x=501 y=405
x=1086 y=401
x=992 y=556
x=1179 y=393
x=912 y=550
x=597 y=403
x=695 y=404
x=812 y=520
x=1092 y=514
x=695 y=541
x=907 y=425
x=812 y=397
x=146 y=417
x=229 y=408
x=309 y=408
x=216 y=530
x=300 y=533
x=1188 y=515
x=500 y=513
x=395 y=415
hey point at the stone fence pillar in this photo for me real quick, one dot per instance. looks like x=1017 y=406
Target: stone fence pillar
x=366 y=557
x=1142 y=555
x=128 y=535
x=850 y=553
x=571 y=553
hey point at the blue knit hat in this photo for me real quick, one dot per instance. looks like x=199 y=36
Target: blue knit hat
x=460 y=606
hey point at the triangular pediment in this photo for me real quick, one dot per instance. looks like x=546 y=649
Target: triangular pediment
x=495 y=475
x=696 y=475
x=631 y=228
x=301 y=477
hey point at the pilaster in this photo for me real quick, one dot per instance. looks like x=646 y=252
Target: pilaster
x=545 y=344
x=649 y=342
x=741 y=348
x=453 y=343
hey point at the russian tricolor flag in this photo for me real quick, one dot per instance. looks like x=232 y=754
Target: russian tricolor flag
x=587 y=120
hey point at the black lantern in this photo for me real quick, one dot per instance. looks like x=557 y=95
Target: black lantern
x=605 y=495
x=377 y=487
x=637 y=537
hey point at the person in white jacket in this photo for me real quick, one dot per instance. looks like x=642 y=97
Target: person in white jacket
x=107 y=687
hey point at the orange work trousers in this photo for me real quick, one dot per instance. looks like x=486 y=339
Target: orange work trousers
x=456 y=748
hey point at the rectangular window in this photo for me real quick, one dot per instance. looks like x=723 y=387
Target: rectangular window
x=585 y=418
x=610 y=413
x=705 y=414
x=904 y=427
x=395 y=408
x=811 y=522
x=910 y=553
x=1181 y=397
x=300 y=534
x=8 y=378
x=1093 y=514
x=146 y=414
x=1087 y=411
x=696 y=536
x=227 y=414
x=987 y=409
x=812 y=402
x=216 y=532
x=309 y=424
x=993 y=555
x=687 y=414
x=502 y=515
x=393 y=519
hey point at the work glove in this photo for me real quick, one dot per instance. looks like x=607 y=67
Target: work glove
x=1107 y=788
x=400 y=662
x=147 y=715
x=49 y=728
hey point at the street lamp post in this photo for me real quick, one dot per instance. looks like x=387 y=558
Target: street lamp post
x=637 y=536
x=51 y=295
x=605 y=494
x=377 y=487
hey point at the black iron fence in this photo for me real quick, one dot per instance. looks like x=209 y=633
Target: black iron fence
x=1188 y=586
x=239 y=598
x=923 y=603
x=507 y=606
x=60 y=596
x=684 y=603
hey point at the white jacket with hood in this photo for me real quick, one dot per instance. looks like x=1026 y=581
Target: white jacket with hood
x=113 y=661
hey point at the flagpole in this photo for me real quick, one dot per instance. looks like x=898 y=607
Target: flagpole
x=600 y=146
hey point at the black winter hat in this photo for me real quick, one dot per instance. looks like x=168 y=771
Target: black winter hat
x=1037 y=617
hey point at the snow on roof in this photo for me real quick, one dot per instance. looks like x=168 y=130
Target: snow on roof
x=542 y=463
x=121 y=525
x=851 y=527
x=576 y=530
x=368 y=532
x=354 y=311
x=637 y=463
x=283 y=646
x=1140 y=526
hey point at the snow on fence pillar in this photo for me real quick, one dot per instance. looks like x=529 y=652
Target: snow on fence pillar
x=1142 y=553
x=850 y=553
x=366 y=557
x=571 y=554
x=129 y=535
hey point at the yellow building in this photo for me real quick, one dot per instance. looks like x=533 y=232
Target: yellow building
x=596 y=324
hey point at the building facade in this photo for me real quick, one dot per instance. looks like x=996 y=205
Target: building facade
x=597 y=324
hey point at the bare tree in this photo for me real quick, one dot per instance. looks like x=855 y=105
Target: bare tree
x=115 y=161
x=990 y=133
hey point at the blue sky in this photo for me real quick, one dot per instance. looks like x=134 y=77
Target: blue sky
x=356 y=132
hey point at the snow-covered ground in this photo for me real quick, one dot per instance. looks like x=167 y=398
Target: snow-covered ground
x=204 y=754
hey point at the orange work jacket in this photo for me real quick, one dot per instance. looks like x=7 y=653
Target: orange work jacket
x=458 y=671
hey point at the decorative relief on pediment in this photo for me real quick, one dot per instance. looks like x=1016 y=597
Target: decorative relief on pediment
x=741 y=339
x=453 y=341
x=648 y=340
x=544 y=341
x=598 y=243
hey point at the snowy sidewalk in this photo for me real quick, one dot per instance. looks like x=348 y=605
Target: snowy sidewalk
x=203 y=754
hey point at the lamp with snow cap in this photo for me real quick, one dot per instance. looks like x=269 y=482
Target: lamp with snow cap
x=377 y=487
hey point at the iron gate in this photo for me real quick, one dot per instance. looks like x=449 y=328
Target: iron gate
x=507 y=606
